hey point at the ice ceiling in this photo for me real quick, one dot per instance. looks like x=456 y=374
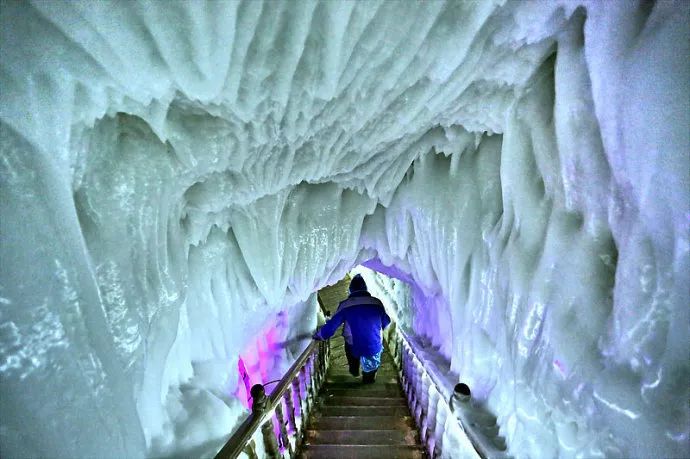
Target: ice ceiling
x=179 y=177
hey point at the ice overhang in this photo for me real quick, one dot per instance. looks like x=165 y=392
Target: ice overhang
x=170 y=171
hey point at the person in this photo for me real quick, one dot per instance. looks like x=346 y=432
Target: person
x=364 y=317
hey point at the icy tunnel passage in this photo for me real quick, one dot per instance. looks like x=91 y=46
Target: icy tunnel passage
x=180 y=177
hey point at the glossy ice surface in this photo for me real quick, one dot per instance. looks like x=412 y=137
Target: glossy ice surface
x=178 y=178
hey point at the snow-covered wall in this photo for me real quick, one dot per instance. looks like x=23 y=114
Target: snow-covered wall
x=178 y=178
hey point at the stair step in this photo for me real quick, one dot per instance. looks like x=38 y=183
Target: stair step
x=345 y=369
x=330 y=399
x=352 y=383
x=345 y=378
x=362 y=452
x=379 y=374
x=357 y=420
x=317 y=422
x=341 y=361
x=331 y=410
x=361 y=437
x=343 y=365
x=341 y=357
x=364 y=390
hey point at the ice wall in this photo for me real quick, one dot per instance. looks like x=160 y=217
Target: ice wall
x=177 y=179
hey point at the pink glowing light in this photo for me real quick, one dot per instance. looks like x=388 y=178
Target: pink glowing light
x=258 y=359
x=558 y=365
x=243 y=390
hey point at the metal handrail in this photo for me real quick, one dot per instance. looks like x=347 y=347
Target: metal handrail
x=314 y=356
x=404 y=353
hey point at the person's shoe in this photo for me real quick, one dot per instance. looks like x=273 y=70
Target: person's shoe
x=354 y=373
x=368 y=378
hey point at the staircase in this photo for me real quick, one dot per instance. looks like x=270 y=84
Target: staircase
x=355 y=420
x=319 y=410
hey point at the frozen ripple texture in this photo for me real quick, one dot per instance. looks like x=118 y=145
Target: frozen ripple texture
x=176 y=177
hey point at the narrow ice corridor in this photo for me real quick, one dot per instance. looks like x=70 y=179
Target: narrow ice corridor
x=179 y=178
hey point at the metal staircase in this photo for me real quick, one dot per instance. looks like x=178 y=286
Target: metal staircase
x=355 y=420
x=318 y=410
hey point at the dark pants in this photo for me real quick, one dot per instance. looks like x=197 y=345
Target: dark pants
x=353 y=363
x=352 y=360
x=368 y=378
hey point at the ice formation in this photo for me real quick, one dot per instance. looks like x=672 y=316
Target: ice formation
x=178 y=178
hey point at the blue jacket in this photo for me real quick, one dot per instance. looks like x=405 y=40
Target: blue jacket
x=366 y=317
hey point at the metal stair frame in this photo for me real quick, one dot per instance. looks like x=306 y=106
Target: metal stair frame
x=430 y=400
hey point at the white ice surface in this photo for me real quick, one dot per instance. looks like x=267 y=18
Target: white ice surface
x=178 y=178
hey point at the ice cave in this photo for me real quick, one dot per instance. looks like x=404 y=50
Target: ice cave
x=180 y=178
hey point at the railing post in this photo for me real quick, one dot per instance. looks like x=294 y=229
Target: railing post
x=322 y=362
x=270 y=443
x=311 y=377
x=259 y=402
x=432 y=425
x=419 y=398
x=250 y=450
x=290 y=406
x=403 y=371
x=423 y=427
x=301 y=397
x=437 y=449
x=295 y=388
x=285 y=440
x=311 y=368
x=317 y=367
x=409 y=389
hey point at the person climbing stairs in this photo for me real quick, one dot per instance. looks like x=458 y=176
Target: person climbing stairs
x=355 y=420
x=323 y=407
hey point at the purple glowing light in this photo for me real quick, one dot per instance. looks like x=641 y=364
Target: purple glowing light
x=257 y=361
x=558 y=365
